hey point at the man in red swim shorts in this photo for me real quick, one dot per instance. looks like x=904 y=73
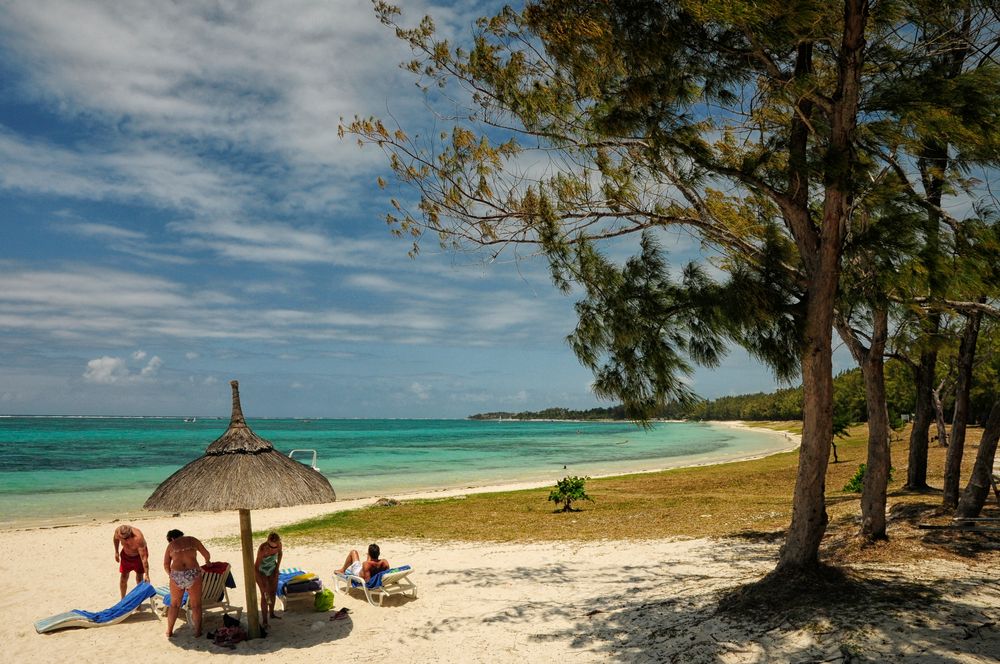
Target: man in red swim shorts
x=134 y=556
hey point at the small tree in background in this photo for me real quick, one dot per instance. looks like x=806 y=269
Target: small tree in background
x=841 y=429
x=856 y=484
x=569 y=489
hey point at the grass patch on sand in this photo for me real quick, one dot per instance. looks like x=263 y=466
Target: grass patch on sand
x=750 y=499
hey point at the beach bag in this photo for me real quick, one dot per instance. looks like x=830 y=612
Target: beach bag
x=323 y=600
x=312 y=585
x=228 y=637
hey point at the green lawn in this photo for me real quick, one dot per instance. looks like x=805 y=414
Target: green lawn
x=748 y=498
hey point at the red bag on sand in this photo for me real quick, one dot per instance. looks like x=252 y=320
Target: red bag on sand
x=229 y=636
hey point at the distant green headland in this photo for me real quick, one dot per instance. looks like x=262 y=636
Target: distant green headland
x=783 y=404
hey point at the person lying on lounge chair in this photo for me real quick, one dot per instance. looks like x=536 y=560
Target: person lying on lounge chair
x=374 y=565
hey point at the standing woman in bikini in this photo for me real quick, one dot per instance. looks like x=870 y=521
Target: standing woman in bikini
x=181 y=564
x=265 y=569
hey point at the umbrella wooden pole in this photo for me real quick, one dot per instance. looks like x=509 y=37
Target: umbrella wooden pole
x=246 y=539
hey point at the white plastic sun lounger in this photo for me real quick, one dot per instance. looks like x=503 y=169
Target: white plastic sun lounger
x=110 y=616
x=384 y=584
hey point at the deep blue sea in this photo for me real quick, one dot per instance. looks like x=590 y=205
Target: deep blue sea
x=72 y=469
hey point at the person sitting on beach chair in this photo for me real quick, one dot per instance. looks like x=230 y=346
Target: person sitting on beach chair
x=375 y=577
x=354 y=565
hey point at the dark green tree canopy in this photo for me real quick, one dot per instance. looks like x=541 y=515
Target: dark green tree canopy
x=779 y=132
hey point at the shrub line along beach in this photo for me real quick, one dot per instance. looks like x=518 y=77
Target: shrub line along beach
x=635 y=576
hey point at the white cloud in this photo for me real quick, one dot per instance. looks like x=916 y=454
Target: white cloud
x=158 y=176
x=226 y=71
x=519 y=397
x=275 y=242
x=152 y=367
x=373 y=282
x=103 y=231
x=421 y=391
x=122 y=240
x=178 y=96
x=76 y=303
x=106 y=371
x=472 y=397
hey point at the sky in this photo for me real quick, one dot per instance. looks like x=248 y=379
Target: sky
x=177 y=210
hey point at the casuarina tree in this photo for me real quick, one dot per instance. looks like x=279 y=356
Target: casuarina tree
x=744 y=122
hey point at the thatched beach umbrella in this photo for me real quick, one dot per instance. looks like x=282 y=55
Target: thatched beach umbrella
x=241 y=471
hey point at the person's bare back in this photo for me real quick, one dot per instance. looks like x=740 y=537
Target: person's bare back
x=365 y=569
x=372 y=567
x=182 y=553
x=180 y=562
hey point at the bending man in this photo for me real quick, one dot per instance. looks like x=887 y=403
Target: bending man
x=133 y=557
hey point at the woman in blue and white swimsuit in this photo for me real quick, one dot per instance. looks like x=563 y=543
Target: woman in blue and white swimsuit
x=181 y=564
x=266 y=572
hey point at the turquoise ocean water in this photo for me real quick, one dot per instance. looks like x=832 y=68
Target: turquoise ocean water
x=73 y=469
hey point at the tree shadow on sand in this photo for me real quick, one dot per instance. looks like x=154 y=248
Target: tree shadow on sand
x=669 y=612
x=876 y=618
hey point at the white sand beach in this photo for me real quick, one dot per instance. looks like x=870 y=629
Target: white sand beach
x=607 y=601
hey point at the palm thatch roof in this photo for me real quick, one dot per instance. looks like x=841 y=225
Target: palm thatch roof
x=240 y=471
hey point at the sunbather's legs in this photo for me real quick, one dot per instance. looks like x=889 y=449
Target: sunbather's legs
x=123 y=584
x=194 y=598
x=176 y=593
x=264 y=587
x=352 y=557
x=272 y=594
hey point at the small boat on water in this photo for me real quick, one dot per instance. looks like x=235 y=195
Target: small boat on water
x=190 y=419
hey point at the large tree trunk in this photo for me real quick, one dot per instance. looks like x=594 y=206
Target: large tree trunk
x=871 y=361
x=966 y=360
x=821 y=254
x=923 y=374
x=873 y=495
x=801 y=549
x=976 y=492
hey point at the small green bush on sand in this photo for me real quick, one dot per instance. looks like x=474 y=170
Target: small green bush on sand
x=568 y=490
x=856 y=483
